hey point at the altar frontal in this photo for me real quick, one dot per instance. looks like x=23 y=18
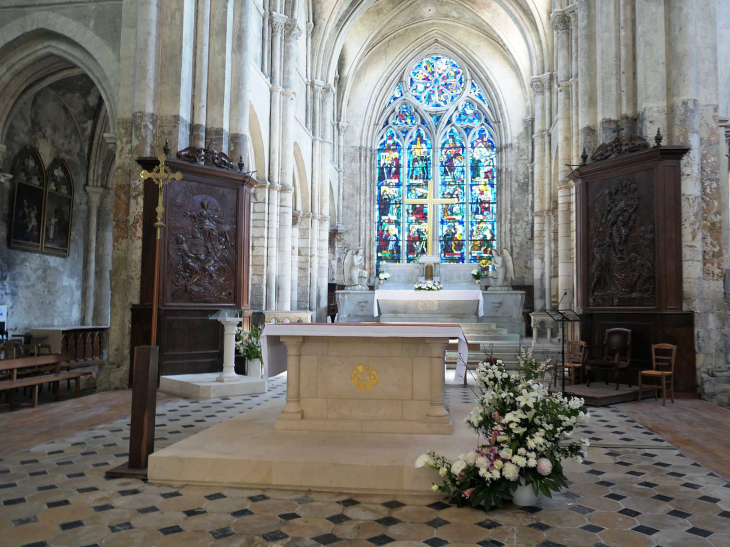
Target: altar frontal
x=363 y=378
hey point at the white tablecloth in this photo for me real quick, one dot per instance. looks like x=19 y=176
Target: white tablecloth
x=397 y=294
x=275 y=358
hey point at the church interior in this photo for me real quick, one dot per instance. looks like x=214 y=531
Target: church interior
x=259 y=256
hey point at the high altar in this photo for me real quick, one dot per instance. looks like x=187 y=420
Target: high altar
x=461 y=300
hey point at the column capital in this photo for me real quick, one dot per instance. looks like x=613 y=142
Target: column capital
x=310 y=28
x=296 y=216
x=278 y=20
x=560 y=20
x=342 y=126
x=95 y=194
x=565 y=185
x=292 y=30
x=327 y=91
x=286 y=189
x=111 y=140
x=538 y=85
x=547 y=80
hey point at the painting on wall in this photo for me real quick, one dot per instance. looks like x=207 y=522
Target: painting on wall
x=59 y=203
x=43 y=205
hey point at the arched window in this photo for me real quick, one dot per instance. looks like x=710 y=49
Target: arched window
x=436 y=124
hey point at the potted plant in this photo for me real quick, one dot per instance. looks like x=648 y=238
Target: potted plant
x=523 y=429
x=249 y=345
x=477 y=275
x=383 y=277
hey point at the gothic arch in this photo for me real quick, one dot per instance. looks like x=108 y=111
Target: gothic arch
x=302 y=189
x=38 y=46
x=257 y=142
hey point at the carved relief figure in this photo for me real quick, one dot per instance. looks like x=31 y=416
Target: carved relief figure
x=355 y=274
x=503 y=273
x=202 y=254
x=621 y=267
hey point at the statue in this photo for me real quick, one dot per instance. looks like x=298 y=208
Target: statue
x=355 y=274
x=504 y=272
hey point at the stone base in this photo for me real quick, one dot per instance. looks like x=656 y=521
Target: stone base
x=206 y=386
x=247 y=451
x=367 y=426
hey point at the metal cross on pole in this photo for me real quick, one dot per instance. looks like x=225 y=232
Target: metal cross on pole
x=161 y=176
x=430 y=201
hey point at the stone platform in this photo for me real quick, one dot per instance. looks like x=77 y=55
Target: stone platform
x=246 y=451
x=205 y=386
x=600 y=394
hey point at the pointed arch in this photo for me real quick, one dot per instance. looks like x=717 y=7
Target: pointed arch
x=257 y=142
x=302 y=189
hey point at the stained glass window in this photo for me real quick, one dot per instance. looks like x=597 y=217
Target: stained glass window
x=455 y=161
x=436 y=81
x=389 y=198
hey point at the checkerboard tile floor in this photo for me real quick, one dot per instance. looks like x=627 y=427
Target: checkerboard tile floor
x=628 y=493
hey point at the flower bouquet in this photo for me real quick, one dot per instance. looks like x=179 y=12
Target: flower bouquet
x=428 y=286
x=383 y=277
x=524 y=431
x=477 y=275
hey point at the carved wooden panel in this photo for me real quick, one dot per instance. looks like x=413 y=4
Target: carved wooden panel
x=621 y=240
x=202 y=244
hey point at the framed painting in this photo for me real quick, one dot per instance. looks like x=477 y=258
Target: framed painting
x=58 y=209
x=26 y=226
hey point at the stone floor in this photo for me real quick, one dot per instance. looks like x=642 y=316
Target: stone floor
x=636 y=489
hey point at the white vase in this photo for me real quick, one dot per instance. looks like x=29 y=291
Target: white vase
x=253 y=368
x=381 y=281
x=478 y=281
x=524 y=496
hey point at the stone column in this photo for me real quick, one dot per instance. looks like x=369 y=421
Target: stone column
x=324 y=203
x=228 y=374
x=561 y=24
x=259 y=247
x=437 y=350
x=547 y=194
x=272 y=230
x=284 y=264
x=316 y=173
x=341 y=128
x=286 y=174
x=200 y=82
x=95 y=194
x=651 y=66
x=241 y=79
x=538 y=88
x=293 y=409
x=296 y=216
x=304 y=262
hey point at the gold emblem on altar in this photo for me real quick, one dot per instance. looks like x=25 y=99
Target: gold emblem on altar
x=364 y=377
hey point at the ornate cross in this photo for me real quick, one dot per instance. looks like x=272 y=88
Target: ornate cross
x=430 y=201
x=162 y=176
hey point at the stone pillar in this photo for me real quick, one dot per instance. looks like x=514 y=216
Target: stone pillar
x=539 y=273
x=200 y=82
x=293 y=409
x=95 y=195
x=324 y=204
x=259 y=247
x=341 y=128
x=437 y=350
x=561 y=24
x=651 y=66
x=316 y=174
x=547 y=193
x=286 y=174
x=304 y=261
x=296 y=217
x=228 y=374
x=272 y=230
x=284 y=264
x=587 y=121
x=241 y=79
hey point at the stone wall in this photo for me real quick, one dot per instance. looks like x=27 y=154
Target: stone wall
x=43 y=290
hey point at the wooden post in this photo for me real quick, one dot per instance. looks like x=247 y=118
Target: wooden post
x=144 y=403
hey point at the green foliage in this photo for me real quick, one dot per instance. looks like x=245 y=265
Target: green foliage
x=248 y=343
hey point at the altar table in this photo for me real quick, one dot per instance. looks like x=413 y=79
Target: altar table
x=442 y=295
x=374 y=378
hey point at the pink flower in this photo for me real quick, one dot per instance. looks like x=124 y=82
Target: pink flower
x=544 y=467
x=468 y=492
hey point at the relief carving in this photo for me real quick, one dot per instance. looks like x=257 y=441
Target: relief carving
x=622 y=258
x=202 y=250
x=619 y=146
x=206 y=156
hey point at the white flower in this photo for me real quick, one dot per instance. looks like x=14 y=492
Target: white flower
x=435 y=488
x=496 y=473
x=505 y=453
x=544 y=467
x=511 y=471
x=519 y=430
x=457 y=467
x=424 y=459
x=443 y=471
x=470 y=458
x=498 y=464
x=482 y=462
x=484 y=473
x=532 y=462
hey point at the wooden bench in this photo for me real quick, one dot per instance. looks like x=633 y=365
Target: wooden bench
x=454 y=346
x=49 y=369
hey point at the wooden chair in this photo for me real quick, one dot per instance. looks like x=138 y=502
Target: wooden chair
x=577 y=353
x=616 y=355
x=662 y=357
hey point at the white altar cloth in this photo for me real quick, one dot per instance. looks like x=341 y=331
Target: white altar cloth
x=398 y=294
x=275 y=358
